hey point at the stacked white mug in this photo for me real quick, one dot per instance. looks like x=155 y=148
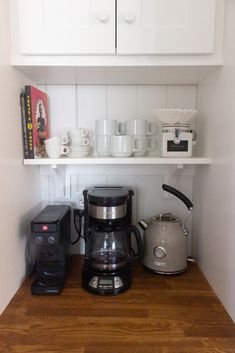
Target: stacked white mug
x=125 y=145
x=79 y=143
x=141 y=129
x=55 y=146
x=124 y=139
x=104 y=130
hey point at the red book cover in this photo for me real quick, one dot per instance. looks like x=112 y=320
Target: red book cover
x=37 y=121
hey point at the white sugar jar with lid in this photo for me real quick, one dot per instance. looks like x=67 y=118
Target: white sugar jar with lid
x=177 y=138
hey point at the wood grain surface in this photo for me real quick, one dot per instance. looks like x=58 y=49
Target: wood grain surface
x=159 y=314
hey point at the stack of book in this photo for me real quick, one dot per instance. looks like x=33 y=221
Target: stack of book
x=35 y=127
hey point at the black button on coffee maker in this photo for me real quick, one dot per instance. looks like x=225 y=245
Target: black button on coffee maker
x=107 y=232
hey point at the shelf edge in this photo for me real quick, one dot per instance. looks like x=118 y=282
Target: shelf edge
x=120 y=161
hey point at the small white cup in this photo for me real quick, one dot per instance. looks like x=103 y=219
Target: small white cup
x=109 y=127
x=139 y=127
x=80 y=132
x=79 y=141
x=56 y=150
x=148 y=144
x=125 y=145
x=103 y=145
x=57 y=140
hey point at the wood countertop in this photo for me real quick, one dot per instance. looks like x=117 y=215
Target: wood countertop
x=159 y=314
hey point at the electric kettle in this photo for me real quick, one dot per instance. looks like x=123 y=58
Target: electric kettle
x=166 y=240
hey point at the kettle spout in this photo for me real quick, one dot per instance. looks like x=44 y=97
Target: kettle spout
x=143 y=224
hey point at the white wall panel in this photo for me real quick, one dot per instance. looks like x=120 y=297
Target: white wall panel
x=19 y=185
x=150 y=97
x=181 y=96
x=121 y=102
x=214 y=190
x=62 y=105
x=90 y=104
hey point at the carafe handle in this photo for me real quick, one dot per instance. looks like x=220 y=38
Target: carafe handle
x=139 y=254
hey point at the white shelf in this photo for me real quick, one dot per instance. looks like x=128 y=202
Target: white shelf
x=119 y=161
x=129 y=74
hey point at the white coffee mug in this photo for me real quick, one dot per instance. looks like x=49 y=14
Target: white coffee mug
x=81 y=131
x=103 y=145
x=148 y=144
x=56 y=150
x=139 y=127
x=125 y=145
x=57 y=140
x=109 y=127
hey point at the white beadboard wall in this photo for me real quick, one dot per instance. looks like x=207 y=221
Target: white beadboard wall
x=79 y=106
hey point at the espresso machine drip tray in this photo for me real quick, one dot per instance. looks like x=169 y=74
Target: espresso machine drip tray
x=47 y=285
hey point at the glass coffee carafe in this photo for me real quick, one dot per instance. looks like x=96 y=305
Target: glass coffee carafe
x=111 y=250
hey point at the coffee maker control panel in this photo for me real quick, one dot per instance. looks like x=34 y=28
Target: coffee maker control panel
x=106 y=282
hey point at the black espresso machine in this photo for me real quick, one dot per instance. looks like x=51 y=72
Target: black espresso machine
x=50 y=238
x=107 y=268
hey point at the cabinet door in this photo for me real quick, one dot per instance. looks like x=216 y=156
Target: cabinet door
x=166 y=26
x=66 y=26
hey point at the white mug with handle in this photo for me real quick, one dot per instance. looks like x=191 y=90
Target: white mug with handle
x=148 y=144
x=109 y=127
x=56 y=150
x=125 y=145
x=139 y=127
x=57 y=140
x=103 y=145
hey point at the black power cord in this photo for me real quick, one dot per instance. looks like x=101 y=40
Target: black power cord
x=77 y=214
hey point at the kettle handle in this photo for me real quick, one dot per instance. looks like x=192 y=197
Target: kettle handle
x=139 y=254
x=178 y=194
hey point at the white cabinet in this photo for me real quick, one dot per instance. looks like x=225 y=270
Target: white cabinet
x=117 y=41
x=165 y=26
x=75 y=27
x=66 y=26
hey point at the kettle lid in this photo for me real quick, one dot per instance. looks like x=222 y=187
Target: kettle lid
x=165 y=217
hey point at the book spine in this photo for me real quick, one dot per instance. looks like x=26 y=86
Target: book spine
x=29 y=123
x=24 y=127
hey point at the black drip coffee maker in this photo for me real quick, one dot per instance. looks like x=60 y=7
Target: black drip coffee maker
x=107 y=233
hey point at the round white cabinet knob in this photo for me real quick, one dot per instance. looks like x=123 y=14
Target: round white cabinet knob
x=104 y=16
x=129 y=17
